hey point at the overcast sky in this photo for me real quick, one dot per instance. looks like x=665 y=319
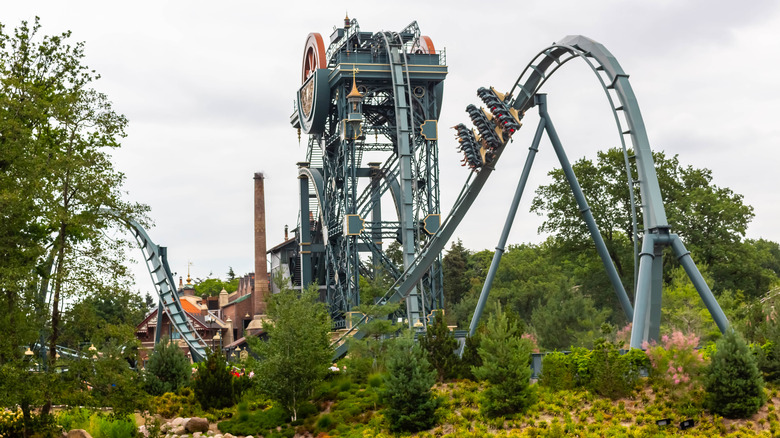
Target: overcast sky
x=208 y=88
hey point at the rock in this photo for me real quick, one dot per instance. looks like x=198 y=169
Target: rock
x=177 y=421
x=196 y=424
x=79 y=433
x=197 y=434
x=178 y=430
x=142 y=430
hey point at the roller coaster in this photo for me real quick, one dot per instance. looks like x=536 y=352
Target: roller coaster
x=389 y=84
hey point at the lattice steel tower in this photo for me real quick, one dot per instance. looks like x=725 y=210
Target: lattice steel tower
x=369 y=104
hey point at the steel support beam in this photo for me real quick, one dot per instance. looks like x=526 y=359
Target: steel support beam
x=582 y=203
x=510 y=217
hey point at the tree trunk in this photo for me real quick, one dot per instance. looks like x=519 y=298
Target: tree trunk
x=55 y=311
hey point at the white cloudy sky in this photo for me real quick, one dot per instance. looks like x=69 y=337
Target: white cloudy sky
x=208 y=88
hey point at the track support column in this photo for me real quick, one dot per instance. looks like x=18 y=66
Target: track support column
x=601 y=247
x=510 y=217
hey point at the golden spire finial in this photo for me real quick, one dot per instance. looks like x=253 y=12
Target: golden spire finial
x=355 y=92
x=347 y=24
x=189 y=280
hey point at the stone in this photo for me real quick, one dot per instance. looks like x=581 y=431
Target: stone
x=197 y=434
x=196 y=424
x=79 y=433
x=179 y=430
x=177 y=421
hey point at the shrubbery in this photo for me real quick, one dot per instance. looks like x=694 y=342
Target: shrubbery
x=733 y=383
x=213 y=383
x=676 y=364
x=167 y=370
x=505 y=368
x=98 y=424
x=410 y=402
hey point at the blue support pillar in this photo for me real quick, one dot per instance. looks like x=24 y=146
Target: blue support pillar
x=601 y=247
x=698 y=282
x=639 y=330
x=529 y=161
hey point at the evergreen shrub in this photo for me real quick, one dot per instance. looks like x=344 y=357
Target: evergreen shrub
x=505 y=368
x=734 y=387
x=410 y=402
x=558 y=372
x=213 y=383
x=167 y=370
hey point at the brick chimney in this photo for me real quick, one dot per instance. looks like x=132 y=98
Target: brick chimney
x=261 y=291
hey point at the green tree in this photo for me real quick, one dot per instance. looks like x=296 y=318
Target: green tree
x=440 y=345
x=411 y=405
x=367 y=355
x=213 y=383
x=454 y=269
x=505 y=368
x=296 y=356
x=734 y=387
x=56 y=178
x=168 y=368
x=711 y=220
x=211 y=287
x=567 y=318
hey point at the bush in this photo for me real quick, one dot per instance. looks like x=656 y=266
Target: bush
x=558 y=372
x=98 y=424
x=612 y=374
x=470 y=358
x=734 y=388
x=11 y=422
x=440 y=344
x=255 y=423
x=505 y=368
x=213 y=383
x=410 y=402
x=676 y=364
x=167 y=370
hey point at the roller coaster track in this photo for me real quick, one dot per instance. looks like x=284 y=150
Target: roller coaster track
x=629 y=122
x=157 y=264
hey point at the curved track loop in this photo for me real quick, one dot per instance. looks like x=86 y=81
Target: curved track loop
x=629 y=122
x=157 y=263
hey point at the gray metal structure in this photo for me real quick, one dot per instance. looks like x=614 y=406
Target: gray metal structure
x=656 y=234
x=375 y=95
x=169 y=303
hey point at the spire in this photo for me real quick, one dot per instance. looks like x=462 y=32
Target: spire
x=189 y=280
x=355 y=92
x=347 y=23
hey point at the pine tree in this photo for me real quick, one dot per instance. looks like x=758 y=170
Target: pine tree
x=454 y=268
x=168 y=368
x=505 y=368
x=213 y=383
x=733 y=383
x=470 y=358
x=410 y=403
x=440 y=345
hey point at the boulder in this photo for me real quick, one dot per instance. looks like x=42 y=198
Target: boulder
x=196 y=424
x=177 y=421
x=79 y=433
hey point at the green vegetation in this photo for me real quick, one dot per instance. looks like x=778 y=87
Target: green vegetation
x=213 y=383
x=505 y=368
x=733 y=383
x=408 y=381
x=167 y=370
x=440 y=345
x=296 y=356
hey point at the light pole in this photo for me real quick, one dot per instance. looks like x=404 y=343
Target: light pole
x=210 y=319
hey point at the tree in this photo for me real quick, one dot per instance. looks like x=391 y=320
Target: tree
x=454 y=267
x=55 y=133
x=411 y=405
x=567 y=318
x=367 y=355
x=296 y=356
x=213 y=383
x=440 y=345
x=711 y=220
x=167 y=370
x=505 y=368
x=734 y=387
